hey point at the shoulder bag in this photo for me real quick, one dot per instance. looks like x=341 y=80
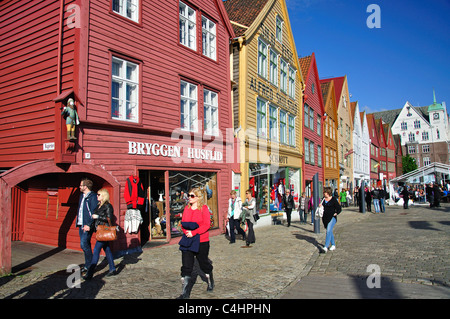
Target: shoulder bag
x=106 y=232
x=319 y=210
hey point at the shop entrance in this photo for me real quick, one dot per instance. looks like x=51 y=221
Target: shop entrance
x=167 y=194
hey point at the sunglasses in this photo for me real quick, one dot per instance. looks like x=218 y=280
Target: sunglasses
x=192 y=196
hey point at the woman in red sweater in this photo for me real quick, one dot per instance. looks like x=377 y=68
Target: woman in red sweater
x=196 y=212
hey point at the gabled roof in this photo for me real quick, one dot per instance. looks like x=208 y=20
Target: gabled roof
x=327 y=89
x=243 y=13
x=371 y=125
x=338 y=85
x=307 y=64
x=380 y=132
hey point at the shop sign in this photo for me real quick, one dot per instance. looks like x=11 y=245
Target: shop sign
x=280 y=159
x=164 y=150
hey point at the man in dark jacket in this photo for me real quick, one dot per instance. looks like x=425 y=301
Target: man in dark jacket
x=288 y=201
x=405 y=194
x=437 y=195
x=430 y=194
x=86 y=206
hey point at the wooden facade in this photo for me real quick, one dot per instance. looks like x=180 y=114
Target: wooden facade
x=331 y=164
x=313 y=160
x=267 y=99
x=88 y=51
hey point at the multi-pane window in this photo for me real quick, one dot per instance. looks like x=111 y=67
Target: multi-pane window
x=279 y=29
x=210 y=110
x=306 y=150
x=125 y=90
x=425 y=148
x=404 y=126
x=262 y=58
x=291 y=130
x=319 y=125
x=273 y=123
x=417 y=124
x=319 y=155
x=209 y=38
x=273 y=68
x=411 y=149
x=411 y=137
x=425 y=136
x=283 y=75
x=127 y=8
x=311 y=118
x=261 y=119
x=189 y=106
x=283 y=127
x=306 y=107
x=291 y=82
x=188 y=26
x=426 y=161
x=311 y=153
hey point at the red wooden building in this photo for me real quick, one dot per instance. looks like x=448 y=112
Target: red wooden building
x=313 y=124
x=151 y=85
x=374 y=150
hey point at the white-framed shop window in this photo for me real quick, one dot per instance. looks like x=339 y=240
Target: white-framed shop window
x=189 y=106
x=125 y=90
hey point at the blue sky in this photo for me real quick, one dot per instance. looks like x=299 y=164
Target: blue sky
x=401 y=61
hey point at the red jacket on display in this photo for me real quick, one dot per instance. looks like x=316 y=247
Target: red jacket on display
x=134 y=192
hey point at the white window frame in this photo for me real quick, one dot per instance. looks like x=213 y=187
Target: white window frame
x=311 y=153
x=291 y=121
x=283 y=75
x=187 y=25
x=283 y=127
x=411 y=137
x=292 y=73
x=306 y=150
x=426 y=148
x=188 y=106
x=210 y=113
x=425 y=136
x=262 y=58
x=426 y=161
x=127 y=8
x=319 y=155
x=124 y=106
x=279 y=29
x=273 y=68
x=209 y=37
x=273 y=123
x=261 y=118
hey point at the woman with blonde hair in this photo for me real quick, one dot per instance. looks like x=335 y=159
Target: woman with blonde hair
x=102 y=215
x=195 y=226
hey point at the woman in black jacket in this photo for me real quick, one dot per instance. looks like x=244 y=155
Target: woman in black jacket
x=100 y=216
x=331 y=209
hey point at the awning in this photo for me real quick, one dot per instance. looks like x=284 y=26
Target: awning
x=423 y=171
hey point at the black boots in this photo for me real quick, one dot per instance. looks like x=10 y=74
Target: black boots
x=210 y=282
x=187 y=284
x=90 y=273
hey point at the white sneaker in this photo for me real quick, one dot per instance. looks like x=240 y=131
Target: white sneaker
x=324 y=249
x=333 y=247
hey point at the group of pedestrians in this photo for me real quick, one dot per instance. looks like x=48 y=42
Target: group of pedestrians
x=375 y=195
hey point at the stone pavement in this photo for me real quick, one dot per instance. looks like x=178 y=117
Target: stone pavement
x=409 y=246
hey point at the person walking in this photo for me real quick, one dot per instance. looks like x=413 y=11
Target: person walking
x=368 y=197
x=196 y=212
x=376 y=200
x=86 y=205
x=103 y=215
x=288 y=202
x=405 y=194
x=430 y=194
x=343 y=197
x=437 y=195
x=331 y=209
x=249 y=207
x=382 y=197
x=302 y=208
x=234 y=213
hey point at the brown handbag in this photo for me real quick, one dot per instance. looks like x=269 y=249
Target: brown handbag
x=106 y=232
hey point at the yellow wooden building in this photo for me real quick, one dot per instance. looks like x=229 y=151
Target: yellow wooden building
x=267 y=100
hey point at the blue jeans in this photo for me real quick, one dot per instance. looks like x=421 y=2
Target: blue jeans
x=376 y=204
x=302 y=213
x=330 y=237
x=98 y=247
x=382 y=207
x=85 y=244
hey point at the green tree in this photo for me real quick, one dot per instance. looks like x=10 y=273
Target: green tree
x=409 y=164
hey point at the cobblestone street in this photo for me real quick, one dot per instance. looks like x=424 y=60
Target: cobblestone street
x=410 y=247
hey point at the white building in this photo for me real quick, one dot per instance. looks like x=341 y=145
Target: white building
x=361 y=146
